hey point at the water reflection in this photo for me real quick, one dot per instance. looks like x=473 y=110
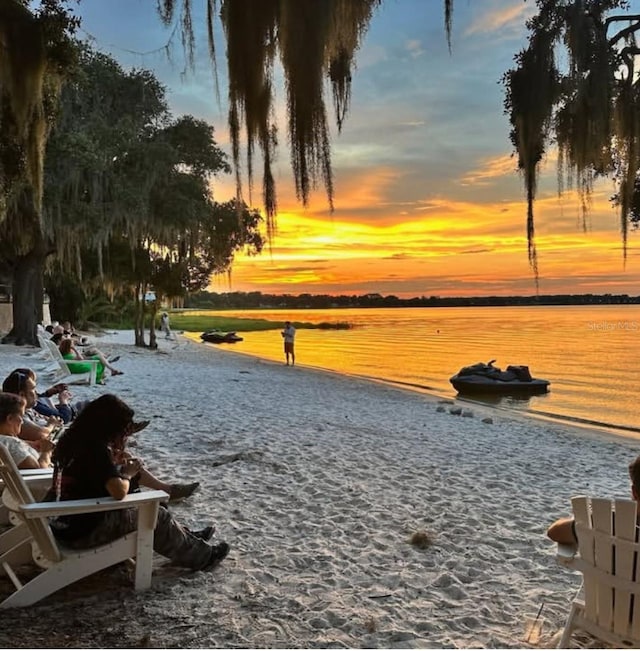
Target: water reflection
x=513 y=401
x=592 y=372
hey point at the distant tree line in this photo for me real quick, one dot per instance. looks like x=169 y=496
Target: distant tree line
x=248 y=300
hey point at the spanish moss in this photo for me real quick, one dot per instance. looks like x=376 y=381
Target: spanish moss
x=588 y=109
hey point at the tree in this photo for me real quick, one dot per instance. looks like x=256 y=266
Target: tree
x=590 y=108
x=314 y=40
x=128 y=191
x=36 y=50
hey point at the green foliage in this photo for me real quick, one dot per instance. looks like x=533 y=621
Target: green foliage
x=128 y=190
x=97 y=309
x=65 y=296
x=201 y=323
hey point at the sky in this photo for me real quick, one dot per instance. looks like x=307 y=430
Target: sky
x=428 y=201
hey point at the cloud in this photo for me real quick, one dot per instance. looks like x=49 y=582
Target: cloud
x=507 y=20
x=414 y=48
x=492 y=168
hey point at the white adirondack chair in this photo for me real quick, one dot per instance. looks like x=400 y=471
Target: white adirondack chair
x=66 y=365
x=52 y=370
x=609 y=559
x=64 y=566
x=38 y=482
x=40 y=477
x=41 y=360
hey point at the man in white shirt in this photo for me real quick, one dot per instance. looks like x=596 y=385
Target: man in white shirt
x=288 y=334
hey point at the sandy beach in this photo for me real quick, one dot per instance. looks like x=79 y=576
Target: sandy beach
x=318 y=482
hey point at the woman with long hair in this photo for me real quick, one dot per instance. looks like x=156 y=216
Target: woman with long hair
x=68 y=351
x=89 y=462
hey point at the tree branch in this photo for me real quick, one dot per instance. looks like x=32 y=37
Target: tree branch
x=623 y=33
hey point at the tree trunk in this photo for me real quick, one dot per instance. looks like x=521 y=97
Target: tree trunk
x=152 y=326
x=28 y=296
x=139 y=318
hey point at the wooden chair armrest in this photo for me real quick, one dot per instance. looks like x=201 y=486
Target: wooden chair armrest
x=75 y=507
x=42 y=479
x=38 y=480
x=566 y=554
x=34 y=472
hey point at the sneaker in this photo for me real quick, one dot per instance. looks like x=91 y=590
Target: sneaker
x=114 y=359
x=182 y=491
x=219 y=552
x=205 y=534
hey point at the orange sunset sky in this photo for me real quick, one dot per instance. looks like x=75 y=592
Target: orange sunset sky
x=427 y=197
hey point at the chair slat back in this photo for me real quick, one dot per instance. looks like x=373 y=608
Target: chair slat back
x=608 y=544
x=43 y=343
x=602 y=514
x=626 y=558
x=55 y=351
x=38 y=527
x=582 y=516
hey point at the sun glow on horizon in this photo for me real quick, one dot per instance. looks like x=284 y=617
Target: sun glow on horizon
x=422 y=210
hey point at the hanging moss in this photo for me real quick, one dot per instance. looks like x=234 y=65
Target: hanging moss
x=590 y=109
x=23 y=63
x=314 y=41
x=36 y=51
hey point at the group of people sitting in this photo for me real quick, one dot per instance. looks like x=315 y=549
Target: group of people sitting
x=85 y=444
x=77 y=348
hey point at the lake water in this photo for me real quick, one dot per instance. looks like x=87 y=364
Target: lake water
x=590 y=354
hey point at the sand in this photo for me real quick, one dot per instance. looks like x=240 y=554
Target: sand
x=318 y=482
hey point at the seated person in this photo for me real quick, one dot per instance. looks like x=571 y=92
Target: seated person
x=88 y=464
x=25 y=456
x=69 y=352
x=69 y=331
x=67 y=328
x=33 y=428
x=34 y=432
x=45 y=406
x=563 y=531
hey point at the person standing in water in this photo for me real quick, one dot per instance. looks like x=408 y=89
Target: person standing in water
x=289 y=334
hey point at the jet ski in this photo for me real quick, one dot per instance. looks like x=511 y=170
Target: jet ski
x=487 y=378
x=219 y=337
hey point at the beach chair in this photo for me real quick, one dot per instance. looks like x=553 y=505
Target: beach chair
x=42 y=361
x=39 y=482
x=40 y=477
x=607 y=554
x=63 y=566
x=66 y=365
x=52 y=369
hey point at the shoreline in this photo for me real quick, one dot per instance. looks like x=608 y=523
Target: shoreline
x=589 y=428
x=556 y=343
x=318 y=480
